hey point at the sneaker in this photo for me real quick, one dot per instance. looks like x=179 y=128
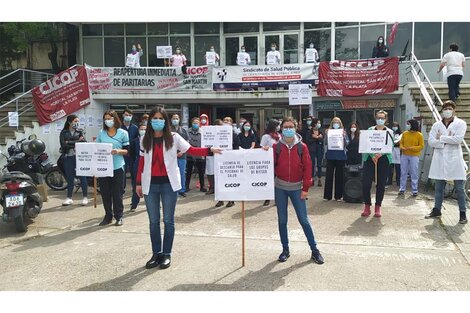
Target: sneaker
x=85 y=201
x=316 y=257
x=67 y=201
x=401 y=193
x=132 y=209
x=434 y=213
x=219 y=204
x=266 y=203
x=415 y=194
x=230 y=204
x=463 y=218
x=284 y=255
x=203 y=189
x=182 y=194
x=319 y=183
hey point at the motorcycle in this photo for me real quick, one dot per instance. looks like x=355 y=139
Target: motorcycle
x=19 y=195
x=56 y=180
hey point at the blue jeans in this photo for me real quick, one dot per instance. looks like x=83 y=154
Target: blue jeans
x=152 y=201
x=317 y=159
x=439 y=193
x=409 y=164
x=281 y=198
x=182 y=168
x=70 y=163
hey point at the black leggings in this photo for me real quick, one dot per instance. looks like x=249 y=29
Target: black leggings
x=111 y=189
x=383 y=168
x=201 y=169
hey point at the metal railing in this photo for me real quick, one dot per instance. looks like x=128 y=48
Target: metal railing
x=417 y=72
x=21 y=80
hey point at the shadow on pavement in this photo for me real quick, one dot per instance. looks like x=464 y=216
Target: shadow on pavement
x=198 y=215
x=364 y=227
x=254 y=211
x=436 y=233
x=263 y=280
x=121 y=283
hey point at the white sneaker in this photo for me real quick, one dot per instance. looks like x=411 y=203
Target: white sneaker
x=85 y=201
x=67 y=201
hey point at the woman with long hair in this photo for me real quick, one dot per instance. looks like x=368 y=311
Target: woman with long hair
x=158 y=180
x=270 y=137
x=314 y=140
x=396 y=155
x=353 y=155
x=247 y=136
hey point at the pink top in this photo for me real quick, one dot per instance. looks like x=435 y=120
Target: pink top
x=178 y=60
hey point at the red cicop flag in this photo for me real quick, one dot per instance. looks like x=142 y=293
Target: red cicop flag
x=393 y=33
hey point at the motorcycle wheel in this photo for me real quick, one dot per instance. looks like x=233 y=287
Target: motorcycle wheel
x=19 y=223
x=56 y=180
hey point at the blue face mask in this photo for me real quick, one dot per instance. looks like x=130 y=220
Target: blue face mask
x=157 y=124
x=127 y=118
x=408 y=126
x=195 y=126
x=380 y=122
x=309 y=122
x=336 y=125
x=247 y=128
x=175 y=122
x=109 y=123
x=288 y=132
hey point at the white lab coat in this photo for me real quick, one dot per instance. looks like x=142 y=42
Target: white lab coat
x=447 y=161
x=170 y=160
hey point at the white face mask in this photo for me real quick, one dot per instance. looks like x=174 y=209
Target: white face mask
x=447 y=113
x=353 y=130
x=381 y=41
x=178 y=51
x=273 y=48
x=311 y=46
x=243 y=50
x=212 y=50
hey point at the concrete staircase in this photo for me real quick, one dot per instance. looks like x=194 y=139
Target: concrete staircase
x=26 y=118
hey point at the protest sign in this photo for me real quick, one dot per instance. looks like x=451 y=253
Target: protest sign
x=94 y=159
x=13 y=119
x=164 y=52
x=310 y=55
x=300 y=94
x=375 y=141
x=217 y=136
x=335 y=139
x=210 y=58
x=244 y=175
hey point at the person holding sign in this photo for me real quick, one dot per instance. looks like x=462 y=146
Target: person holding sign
x=376 y=165
x=447 y=162
x=134 y=153
x=243 y=58
x=212 y=57
x=178 y=59
x=273 y=57
x=336 y=141
x=270 y=137
x=293 y=177
x=195 y=136
x=69 y=136
x=311 y=54
x=396 y=155
x=411 y=144
x=133 y=58
x=158 y=179
x=353 y=155
x=111 y=188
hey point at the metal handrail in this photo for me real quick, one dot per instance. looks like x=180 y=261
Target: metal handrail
x=17 y=98
x=426 y=96
x=25 y=70
x=28 y=107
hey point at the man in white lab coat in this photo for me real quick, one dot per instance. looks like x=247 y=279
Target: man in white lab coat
x=447 y=161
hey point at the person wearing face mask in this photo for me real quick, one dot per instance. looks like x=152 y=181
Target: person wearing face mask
x=447 y=162
x=353 y=155
x=371 y=162
x=335 y=161
x=411 y=145
x=176 y=128
x=270 y=137
x=111 y=188
x=144 y=119
x=243 y=58
x=311 y=54
x=133 y=58
x=307 y=127
x=134 y=152
x=314 y=140
x=293 y=178
x=133 y=132
x=247 y=136
x=239 y=128
x=396 y=156
x=194 y=135
x=158 y=180
x=217 y=58
x=69 y=136
x=380 y=49
x=178 y=59
x=273 y=56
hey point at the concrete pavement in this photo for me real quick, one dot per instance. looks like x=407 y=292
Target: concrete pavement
x=64 y=249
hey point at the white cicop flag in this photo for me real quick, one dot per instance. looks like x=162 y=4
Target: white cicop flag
x=94 y=159
x=375 y=141
x=244 y=175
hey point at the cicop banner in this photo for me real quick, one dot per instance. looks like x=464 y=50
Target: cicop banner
x=217 y=136
x=236 y=77
x=375 y=141
x=335 y=139
x=358 y=78
x=63 y=94
x=244 y=175
x=94 y=159
x=300 y=94
x=148 y=79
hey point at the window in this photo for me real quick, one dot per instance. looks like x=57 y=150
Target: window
x=157 y=28
x=206 y=28
x=184 y=43
x=113 y=29
x=458 y=33
x=369 y=35
x=134 y=41
x=251 y=46
x=277 y=26
x=346 y=44
x=153 y=42
x=428 y=40
x=321 y=40
x=135 y=29
x=310 y=25
x=402 y=43
x=92 y=29
x=246 y=27
x=202 y=45
x=340 y=24
x=114 y=54
x=232 y=47
x=179 y=28
x=291 y=49
x=365 y=118
x=93 y=51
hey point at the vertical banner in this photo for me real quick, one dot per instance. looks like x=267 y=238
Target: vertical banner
x=217 y=136
x=300 y=94
x=94 y=159
x=358 y=78
x=375 y=141
x=244 y=175
x=63 y=94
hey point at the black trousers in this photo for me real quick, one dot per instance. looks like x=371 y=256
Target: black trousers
x=201 y=169
x=368 y=175
x=453 y=83
x=397 y=169
x=111 y=189
x=336 y=168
